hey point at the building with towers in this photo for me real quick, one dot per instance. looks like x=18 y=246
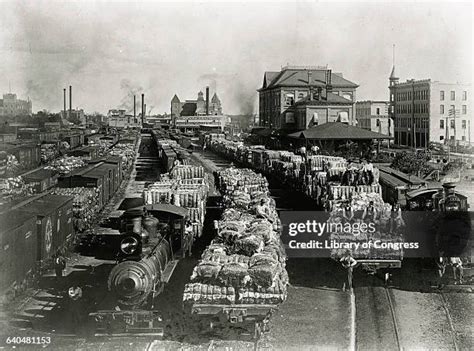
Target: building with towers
x=202 y=112
x=199 y=107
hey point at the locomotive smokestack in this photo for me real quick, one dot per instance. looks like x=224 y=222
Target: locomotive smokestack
x=207 y=101
x=65 y=102
x=143 y=107
x=70 y=101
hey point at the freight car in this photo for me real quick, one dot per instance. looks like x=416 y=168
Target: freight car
x=146 y=259
x=18 y=241
x=32 y=230
x=42 y=179
x=396 y=185
x=27 y=154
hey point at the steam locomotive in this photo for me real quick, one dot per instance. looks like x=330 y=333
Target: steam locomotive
x=445 y=218
x=154 y=240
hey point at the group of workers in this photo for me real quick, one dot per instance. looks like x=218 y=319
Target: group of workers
x=359 y=174
x=371 y=215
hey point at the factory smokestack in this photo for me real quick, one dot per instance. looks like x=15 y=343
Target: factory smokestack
x=135 y=108
x=70 y=101
x=207 y=101
x=65 y=102
x=143 y=107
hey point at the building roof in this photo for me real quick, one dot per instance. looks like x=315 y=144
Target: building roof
x=215 y=99
x=295 y=77
x=268 y=77
x=372 y=102
x=393 y=74
x=337 y=131
x=331 y=99
x=175 y=98
x=189 y=109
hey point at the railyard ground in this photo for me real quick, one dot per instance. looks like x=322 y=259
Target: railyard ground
x=317 y=313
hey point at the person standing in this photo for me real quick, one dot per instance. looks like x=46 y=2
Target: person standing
x=349 y=263
x=59 y=265
x=348 y=213
x=75 y=302
x=314 y=150
x=458 y=273
x=441 y=266
x=370 y=213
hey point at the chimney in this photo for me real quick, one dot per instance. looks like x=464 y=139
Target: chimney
x=143 y=107
x=65 y=102
x=207 y=101
x=70 y=101
x=328 y=81
x=310 y=78
x=134 y=109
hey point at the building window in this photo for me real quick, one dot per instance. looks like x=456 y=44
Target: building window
x=463 y=138
x=378 y=111
x=452 y=110
x=452 y=124
x=463 y=124
x=464 y=95
x=441 y=137
x=441 y=109
x=464 y=109
x=378 y=122
x=451 y=137
x=289 y=99
x=453 y=95
x=441 y=123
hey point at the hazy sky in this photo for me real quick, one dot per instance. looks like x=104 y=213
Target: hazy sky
x=108 y=50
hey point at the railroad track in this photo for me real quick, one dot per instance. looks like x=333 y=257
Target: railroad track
x=376 y=324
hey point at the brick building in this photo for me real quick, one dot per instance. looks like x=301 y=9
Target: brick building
x=300 y=97
x=198 y=107
x=427 y=111
x=11 y=106
x=373 y=115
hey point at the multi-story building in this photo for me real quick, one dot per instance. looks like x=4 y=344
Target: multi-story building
x=10 y=106
x=199 y=107
x=427 y=111
x=119 y=119
x=193 y=114
x=299 y=97
x=373 y=115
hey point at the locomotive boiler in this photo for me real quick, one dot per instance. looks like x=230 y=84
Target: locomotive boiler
x=153 y=242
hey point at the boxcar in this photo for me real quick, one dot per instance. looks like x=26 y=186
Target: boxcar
x=82 y=178
x=106 y=172
x=28 y=155
x=116 y=163
x=42 y=179
x=53 y=222
x=18 y=250
x=88 y=152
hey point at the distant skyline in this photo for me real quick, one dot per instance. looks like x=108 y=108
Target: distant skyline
x=108 y=51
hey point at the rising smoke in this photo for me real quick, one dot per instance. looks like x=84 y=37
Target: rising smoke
x=233 y=90
x=130 y=89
